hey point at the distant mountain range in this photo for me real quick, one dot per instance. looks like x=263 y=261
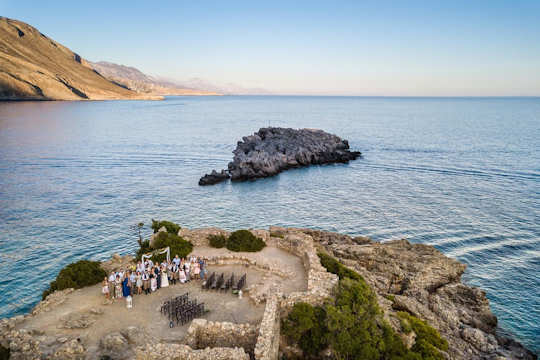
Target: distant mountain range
x=35 y=67
x=133 y=79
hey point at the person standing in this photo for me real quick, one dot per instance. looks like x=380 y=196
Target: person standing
x=146 y=282
x=105 y=288
x=112 y=278
x=126 y=286
x=157 y=276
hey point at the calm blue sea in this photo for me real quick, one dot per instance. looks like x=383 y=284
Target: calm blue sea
x=462 y=174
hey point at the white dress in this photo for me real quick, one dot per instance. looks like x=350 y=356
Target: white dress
x=164 y=279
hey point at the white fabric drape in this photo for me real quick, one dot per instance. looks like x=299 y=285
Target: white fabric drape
x=162 y=251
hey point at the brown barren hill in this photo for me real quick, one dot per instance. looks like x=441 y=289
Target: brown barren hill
x=35 y=67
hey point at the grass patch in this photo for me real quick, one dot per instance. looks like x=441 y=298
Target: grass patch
x=217 y=241
x=77 y=275
x=244 y=240
x=171 y=227
x=278 y=235
x=390 y=297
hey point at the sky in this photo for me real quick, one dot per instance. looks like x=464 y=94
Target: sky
x=365 y=48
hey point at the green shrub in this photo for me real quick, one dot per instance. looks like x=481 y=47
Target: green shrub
x=244 y=240
x=4 y=353
x=178 y=246
x=278 y=235
x=335 y=267
x=77 y=275
x=428 y=339
x=306 y=326
x=390 y=297
x=144 y=248
x=217 y=241
x=171 y=227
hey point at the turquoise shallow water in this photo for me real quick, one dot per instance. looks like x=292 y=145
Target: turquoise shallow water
x=461 y=174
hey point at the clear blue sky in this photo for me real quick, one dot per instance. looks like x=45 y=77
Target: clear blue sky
x=431 y=48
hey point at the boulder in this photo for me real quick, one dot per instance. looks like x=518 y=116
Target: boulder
x=214 y=177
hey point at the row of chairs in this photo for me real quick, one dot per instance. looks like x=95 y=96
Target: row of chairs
x=181 y=310
x=215 y=282
x=169 y=306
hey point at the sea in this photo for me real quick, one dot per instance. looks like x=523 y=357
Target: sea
x=462 y=174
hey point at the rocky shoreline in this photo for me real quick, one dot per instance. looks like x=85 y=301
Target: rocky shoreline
x=272 y=150
x=407 y=277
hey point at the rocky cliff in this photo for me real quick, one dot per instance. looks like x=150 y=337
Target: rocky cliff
x=421 y=280
x=273 y=150
x=35 y=67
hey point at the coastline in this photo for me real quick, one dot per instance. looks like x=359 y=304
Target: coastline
x=461 y=313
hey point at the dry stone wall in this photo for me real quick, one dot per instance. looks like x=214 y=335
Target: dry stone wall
x=320 y=282
x=203 y=334
x=267 y=347
x=163 y=351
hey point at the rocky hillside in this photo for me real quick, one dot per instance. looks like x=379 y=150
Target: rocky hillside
x=133 y=79
x=35 y=67
x=420 y=280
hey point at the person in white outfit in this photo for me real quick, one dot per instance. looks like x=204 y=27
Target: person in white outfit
x=164 y=278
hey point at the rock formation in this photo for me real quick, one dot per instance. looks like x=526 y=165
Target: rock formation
x=421 y=280
x=35 y=67
x=273 y=150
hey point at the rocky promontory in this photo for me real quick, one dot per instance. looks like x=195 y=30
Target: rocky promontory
x=272 y=150
x=406 y=278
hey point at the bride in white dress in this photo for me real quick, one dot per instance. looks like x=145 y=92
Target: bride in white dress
x=164 y=279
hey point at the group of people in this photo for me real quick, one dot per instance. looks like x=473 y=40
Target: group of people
x=148 y=277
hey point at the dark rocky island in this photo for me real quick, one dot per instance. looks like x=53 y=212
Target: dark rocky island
x=272 y=150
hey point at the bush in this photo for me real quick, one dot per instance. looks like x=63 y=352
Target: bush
x=244 y=240
x=306 y=325
x=77 y=275
x=335 y=267
x=144 y=248
x=428 y=339
x=178 y=246
x=171 y=227
x=217 y=241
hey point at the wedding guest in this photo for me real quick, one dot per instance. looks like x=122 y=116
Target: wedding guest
x=138 y=282
x=202 y=268
x=133 y=282
x=146 y=282
x=187 y=270
x=176 y=260
x=118 y=287
x=196 y=270
x=157 y=276
x=153 y=283
x=105 y=288
x=126 y=286
x=182 y=276
x=164 y=277
x=174 y=271
x=112 y=278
